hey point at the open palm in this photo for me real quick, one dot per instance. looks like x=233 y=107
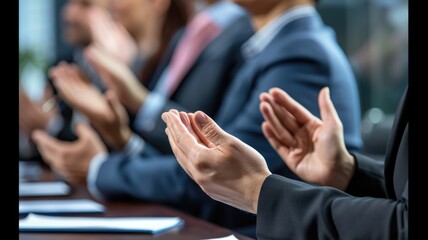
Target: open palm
x=79 y=93
x=313 y=149
x=117 y=77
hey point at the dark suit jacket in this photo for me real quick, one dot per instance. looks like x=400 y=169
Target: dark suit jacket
x=374 y=207
x=203 y=86
x=301 y=59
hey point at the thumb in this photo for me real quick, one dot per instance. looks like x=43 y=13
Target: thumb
x=84 y=131
x=208 y=130
x=327 y=110
x=41 y=136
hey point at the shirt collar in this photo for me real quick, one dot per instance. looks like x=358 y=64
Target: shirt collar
x=261 y=39
x=223 y=13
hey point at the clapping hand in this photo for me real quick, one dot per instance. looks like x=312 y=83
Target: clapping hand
x=312 y=148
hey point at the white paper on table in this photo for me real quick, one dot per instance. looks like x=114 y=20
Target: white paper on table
x=60 y=206
x=38 y=189
x=40 y=223
x=231 y=237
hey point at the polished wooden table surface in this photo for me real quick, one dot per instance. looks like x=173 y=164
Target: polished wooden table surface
x=193 y=229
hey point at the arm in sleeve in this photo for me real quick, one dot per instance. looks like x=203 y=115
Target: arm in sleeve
x=159 y=179
x=289 y=209
x=368 y=179
x=148 y=120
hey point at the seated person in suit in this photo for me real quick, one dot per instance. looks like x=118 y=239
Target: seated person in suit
x=223 y=36
x=292 y=50
x=350 y=196
x=159 y=21
x=57 y=118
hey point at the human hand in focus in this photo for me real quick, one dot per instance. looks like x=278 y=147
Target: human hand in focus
x=111 y=36
x=36 y=114
x=70 y=159
x=227 y=169
x=118 y=77
x=314 y=149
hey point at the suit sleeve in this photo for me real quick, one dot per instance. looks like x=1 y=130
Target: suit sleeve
x=289 y=209
x=159 y=179
x=368 y=179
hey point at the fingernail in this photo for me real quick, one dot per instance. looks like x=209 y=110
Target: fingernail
x=200 y=118
x=164 y=116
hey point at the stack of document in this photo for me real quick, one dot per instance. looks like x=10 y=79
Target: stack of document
x=152 y=225
x=60 y=206
x=43 y=189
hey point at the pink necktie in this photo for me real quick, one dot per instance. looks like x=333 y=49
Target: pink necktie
x=200 y=32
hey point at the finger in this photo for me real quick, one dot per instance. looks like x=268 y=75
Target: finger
x=186 y=121
x=179 y=133
x=281 y=132
x=327 y=110
x=284 y=117
x=77 y=74
x=301 y=114
x=199 y=133
x=48 y=146
x=281 y=149
x=181 y=158
x=48 y=93
x=208 y=130
x=83 y=131
x=114 y=104
x=92 y=55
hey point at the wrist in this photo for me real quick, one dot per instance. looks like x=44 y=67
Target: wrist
x=254 y=188
x=123 y=139
x=347 y=170
x=137 y=101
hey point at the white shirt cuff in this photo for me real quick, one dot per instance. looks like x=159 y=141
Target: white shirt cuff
x=147 y=115
x=94 y=168
x=135 y=145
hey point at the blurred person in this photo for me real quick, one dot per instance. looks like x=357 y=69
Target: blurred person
x=57 y=118
x=167 y=17
x=293 y=50
x=380 y=63
x=349 y=196
x=218 y=55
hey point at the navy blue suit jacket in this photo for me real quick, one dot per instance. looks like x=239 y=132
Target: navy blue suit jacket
x=303 y=58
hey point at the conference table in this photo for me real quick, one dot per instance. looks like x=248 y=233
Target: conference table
x=193 y=228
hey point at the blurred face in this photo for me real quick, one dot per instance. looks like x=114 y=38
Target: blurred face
x=257 y=7
x=130 y=13
x=76 y=28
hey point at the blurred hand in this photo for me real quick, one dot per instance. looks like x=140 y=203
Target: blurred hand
x=36 y=115
x=105 y=113
x=313 y=149
x=70 y=159
x=79 y=93
x=225 y=168
x=118 y=77
x=111 y=36
x=116 y=130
